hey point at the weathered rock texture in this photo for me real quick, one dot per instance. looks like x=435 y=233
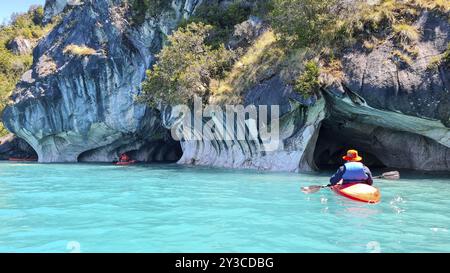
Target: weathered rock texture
x=299 y=125
x=12 y=146
x=82 y=108
x=401 y=114
x=396 y=115
x=56 y=7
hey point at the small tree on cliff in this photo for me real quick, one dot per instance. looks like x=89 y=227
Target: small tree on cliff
x=142 y=8
x=185 y=67
x=303 y=20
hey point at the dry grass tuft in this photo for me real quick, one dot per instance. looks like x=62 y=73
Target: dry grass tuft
x=77 y=50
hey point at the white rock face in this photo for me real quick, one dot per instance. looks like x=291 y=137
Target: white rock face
x=293 y=151
x=82 y=108
x=20 y=46
x=290 y=155
x=55 y=7
x=69 y=106
x=400 y=115
x=398 y=140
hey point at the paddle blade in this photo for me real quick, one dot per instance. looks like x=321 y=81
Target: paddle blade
x=391 y=175
x=311 y=189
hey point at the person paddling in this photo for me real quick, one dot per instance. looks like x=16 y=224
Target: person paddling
x=124 y=158
x=353 y=171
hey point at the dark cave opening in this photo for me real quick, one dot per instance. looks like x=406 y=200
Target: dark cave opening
x=12 y=147
x=157 y=151
x=333 y=142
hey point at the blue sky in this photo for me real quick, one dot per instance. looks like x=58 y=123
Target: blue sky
x=8 y=7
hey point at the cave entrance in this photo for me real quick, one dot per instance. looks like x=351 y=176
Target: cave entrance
x=333 y=142
x=158 y=151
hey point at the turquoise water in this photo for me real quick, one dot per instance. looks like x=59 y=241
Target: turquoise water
x=168 y=208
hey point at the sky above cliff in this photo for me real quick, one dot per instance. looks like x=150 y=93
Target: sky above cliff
x=9 y=7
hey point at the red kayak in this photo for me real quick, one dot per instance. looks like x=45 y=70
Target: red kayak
x=358 y=192
x=124 y=163
x=16 y=159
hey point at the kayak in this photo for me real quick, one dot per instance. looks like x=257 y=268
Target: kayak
x=358 y=192
x=124 y=163
x=16 y=159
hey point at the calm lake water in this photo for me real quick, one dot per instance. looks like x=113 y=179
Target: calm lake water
x=169 y=208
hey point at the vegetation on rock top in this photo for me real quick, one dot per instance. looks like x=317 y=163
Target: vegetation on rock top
x=303 y=39
x=27 y=26
x=79 y=50
x=186 y=67
x=142 y=9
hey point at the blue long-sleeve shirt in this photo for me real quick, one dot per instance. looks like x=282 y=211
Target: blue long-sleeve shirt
x=340 y=172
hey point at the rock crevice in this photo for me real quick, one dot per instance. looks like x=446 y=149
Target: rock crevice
x=81 y=106
x=71 y=103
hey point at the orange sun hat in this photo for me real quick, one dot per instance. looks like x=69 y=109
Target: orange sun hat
x=352 y=155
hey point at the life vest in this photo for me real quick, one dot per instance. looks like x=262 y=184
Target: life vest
x=354 y=172
x=124 y=158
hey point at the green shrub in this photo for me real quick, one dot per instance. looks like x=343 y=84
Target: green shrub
x=185 y=68
x=143 y=8
x=305 y=21
x=215 y=15
x=256 y=64
x=26 y=25
x=308 y=82
x=223 y=20
x=38 y=15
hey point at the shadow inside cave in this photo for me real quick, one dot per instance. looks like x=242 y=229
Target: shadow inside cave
x=158 y=151
x=334 y=141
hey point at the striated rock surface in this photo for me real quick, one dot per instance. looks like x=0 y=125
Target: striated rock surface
x=70 y=104
x=56 y=7
x=415 y=89
x=399 y=113
x=298 y=129
x=396 y=115
x=12 y=146
x=391 y=138
x=81 y=107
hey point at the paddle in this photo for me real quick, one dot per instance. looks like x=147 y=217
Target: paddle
x=313 y=189
x=389 y=175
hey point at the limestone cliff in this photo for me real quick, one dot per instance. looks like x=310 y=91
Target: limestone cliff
x=396 y=115
x=399 y=113
x=80 y=107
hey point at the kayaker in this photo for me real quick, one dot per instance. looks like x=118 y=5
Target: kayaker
x=124 y=158
x=352 y=171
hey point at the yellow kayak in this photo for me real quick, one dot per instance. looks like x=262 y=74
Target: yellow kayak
x=358 y=192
